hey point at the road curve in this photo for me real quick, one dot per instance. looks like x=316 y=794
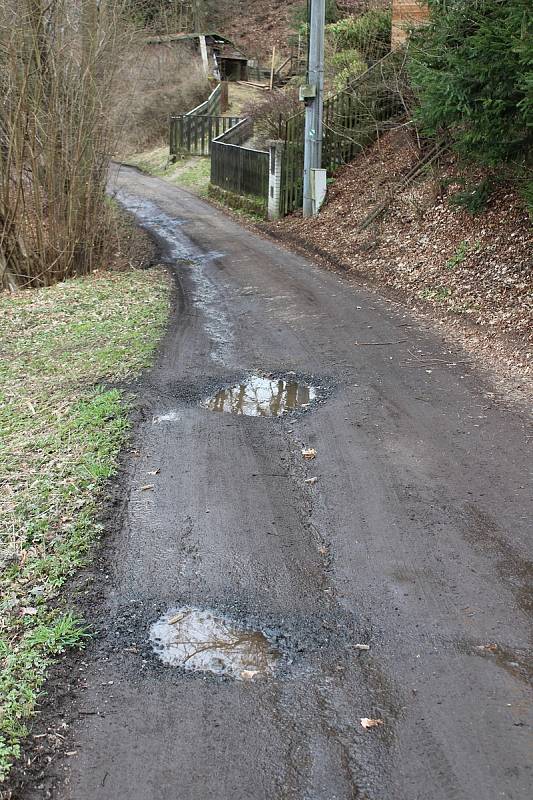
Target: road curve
x=414 y=541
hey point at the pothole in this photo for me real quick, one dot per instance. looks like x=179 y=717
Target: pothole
x=262 y=397
x=201 y=641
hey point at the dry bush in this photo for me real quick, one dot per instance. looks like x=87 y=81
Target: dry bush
x=154 y=81
x=57 y=65
x=271 y=112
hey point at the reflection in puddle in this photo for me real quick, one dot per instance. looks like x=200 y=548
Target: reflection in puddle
x=262 y=397
x=202 y=642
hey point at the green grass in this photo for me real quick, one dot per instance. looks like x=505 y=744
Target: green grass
x=462 y=252
x=61 y=435
x=192 y=172
x=196 y=177
x=438 y=295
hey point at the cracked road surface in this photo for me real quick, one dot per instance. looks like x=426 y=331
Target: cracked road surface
x=413 y=540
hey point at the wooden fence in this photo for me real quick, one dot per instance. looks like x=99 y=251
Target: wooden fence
x=210 y=106
x=238 y=169
x=353 y=119
x=194 y=134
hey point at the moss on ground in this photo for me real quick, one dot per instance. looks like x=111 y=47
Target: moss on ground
x=61 y=435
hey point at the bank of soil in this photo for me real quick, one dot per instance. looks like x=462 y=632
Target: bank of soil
x=474 y=271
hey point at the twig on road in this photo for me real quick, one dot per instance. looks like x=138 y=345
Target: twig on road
x=369 y=344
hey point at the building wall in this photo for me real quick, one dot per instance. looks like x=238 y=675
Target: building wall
x=405 y=12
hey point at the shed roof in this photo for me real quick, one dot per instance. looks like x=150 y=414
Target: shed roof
x=227 y=48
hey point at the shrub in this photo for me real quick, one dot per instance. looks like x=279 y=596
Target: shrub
x=369 y=34
x=472 y=69
x=271 y=113
x=343 y=59
x=353 y=69
x=474 y=199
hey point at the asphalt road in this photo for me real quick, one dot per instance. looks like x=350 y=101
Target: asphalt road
x=414 y=540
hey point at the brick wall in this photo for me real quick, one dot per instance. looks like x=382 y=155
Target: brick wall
x=406 y=12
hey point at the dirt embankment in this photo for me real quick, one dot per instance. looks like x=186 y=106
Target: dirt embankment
x=258 y=25
x=469 y=268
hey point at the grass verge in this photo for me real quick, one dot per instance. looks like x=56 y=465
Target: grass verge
x=61 y=435
x=192 y=172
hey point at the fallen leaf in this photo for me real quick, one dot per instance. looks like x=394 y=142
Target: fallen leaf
x=362 y=646
x=309 y=453
x=28 y=611
x=323 y=551
x=175 y=619
x=154 y=472
x=148 y=488
x=249 y=674
x=367 y=723
x=311 y=481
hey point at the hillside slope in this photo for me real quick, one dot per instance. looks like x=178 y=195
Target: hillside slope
x=470 y=269
x=258 y=25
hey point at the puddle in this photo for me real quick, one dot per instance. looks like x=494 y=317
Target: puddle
x=172 y=416
x=200 y=641
x=262 y=397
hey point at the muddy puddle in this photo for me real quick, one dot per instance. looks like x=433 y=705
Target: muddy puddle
x=200 y=641
x=262 y=397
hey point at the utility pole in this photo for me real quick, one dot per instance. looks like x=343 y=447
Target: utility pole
x=314 y=101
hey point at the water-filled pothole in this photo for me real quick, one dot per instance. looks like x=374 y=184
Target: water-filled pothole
x=200 y=641
x=262 y=397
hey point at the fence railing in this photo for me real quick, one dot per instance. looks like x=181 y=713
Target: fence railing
x=210 y=106
x=238 y=169
x=194 y=134
x=353 y=119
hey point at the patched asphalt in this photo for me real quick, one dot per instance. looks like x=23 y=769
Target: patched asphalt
x=414 y=540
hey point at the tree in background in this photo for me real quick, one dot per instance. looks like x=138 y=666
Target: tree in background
x=472 y=70
x=300 y=16
x=57 y=66
x=174 y=16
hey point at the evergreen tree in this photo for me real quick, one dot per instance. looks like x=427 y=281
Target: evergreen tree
x=472 y=69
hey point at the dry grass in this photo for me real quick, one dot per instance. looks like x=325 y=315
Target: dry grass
x=154 y=81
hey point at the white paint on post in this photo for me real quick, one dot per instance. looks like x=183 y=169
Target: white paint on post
x=274 y=182
x=205 y=60
x=319 y=184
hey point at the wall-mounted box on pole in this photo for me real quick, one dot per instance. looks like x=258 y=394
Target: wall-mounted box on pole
x=307 y=93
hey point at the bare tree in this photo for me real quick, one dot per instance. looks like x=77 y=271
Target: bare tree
x=57 y=63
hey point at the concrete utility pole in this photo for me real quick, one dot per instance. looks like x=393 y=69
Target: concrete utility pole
x=314 y=101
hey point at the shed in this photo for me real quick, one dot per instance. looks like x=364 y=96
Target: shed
x=221 y=57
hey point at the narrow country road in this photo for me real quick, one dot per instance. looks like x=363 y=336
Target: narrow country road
x=413 y=540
